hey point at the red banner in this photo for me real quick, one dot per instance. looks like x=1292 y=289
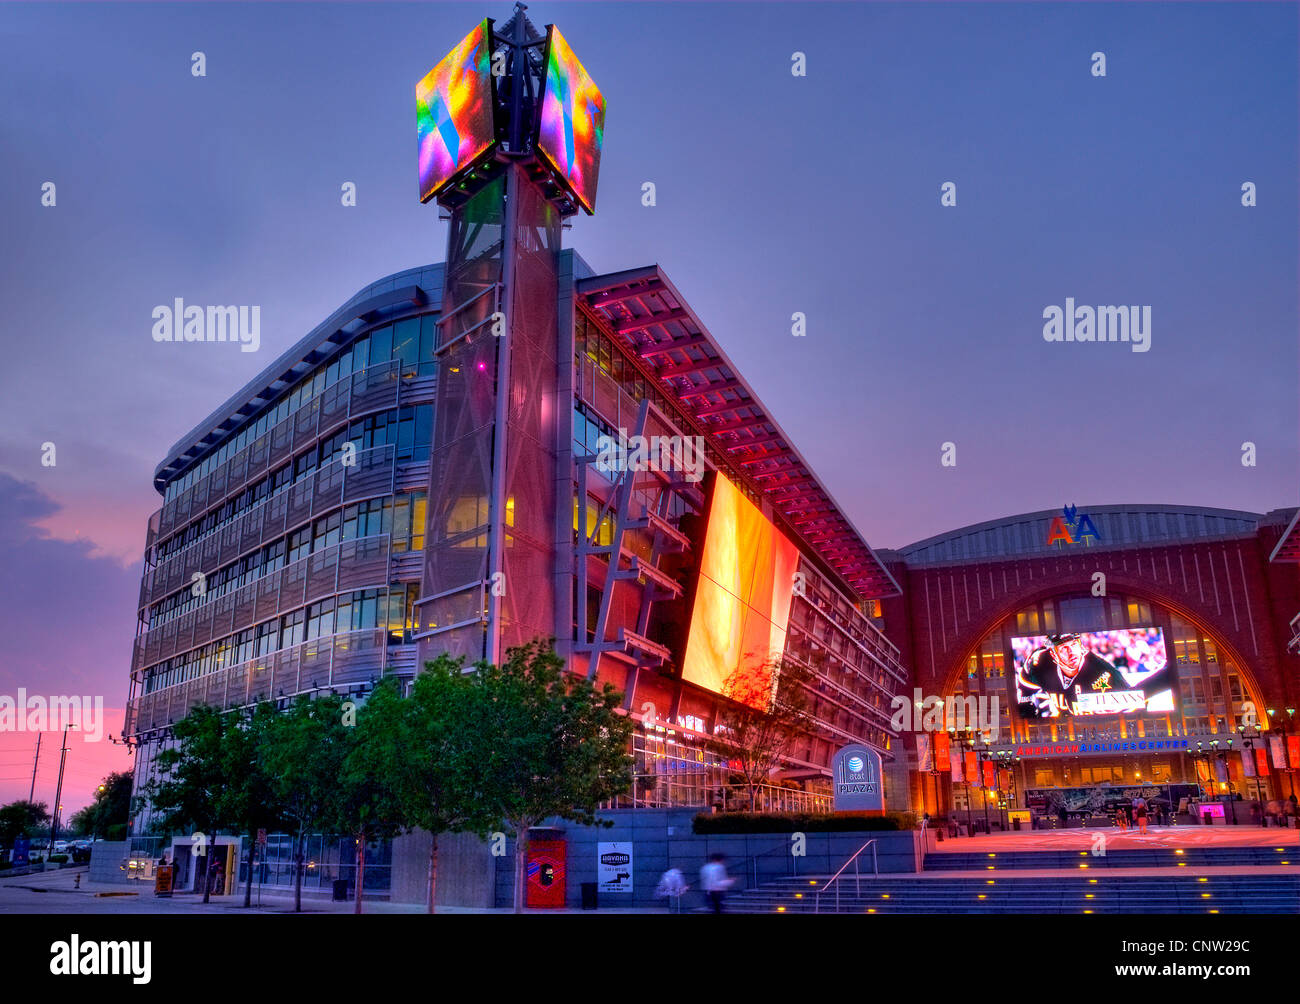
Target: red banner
x=990 y=774
x=1261 y=761
x=941 y=751
x=1004 y=778
x=1293 y=751
x=972 y=769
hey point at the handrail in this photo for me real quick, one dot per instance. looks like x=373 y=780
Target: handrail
x=752 y=859
x=875 y=868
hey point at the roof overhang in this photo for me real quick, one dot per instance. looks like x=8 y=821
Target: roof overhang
x=1288 y=546
x=653 y=322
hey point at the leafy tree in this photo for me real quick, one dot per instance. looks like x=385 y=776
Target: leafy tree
x=370 y=806
x=111 y=804
x=187 y=793
x=426 y=747
x=21 y=819
x=306 y=747
x=249 y=800
x=538 y=742
x=765 y=716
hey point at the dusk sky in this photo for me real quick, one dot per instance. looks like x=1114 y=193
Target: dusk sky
x=775 y=194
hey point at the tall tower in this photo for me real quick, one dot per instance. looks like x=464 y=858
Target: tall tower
x=510 y=128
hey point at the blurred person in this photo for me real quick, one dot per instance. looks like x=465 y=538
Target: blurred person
x=714 y=881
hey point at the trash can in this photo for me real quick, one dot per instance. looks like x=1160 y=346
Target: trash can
x=588 y=895
x=340 y=890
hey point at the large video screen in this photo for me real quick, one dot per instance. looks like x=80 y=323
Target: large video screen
x=572 y=126
x=454 y=111
x=742 y=600
x=1093 y=674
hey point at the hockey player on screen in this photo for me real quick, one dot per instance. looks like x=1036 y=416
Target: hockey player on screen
x=1064 y=678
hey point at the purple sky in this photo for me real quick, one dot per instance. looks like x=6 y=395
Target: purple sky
x=775 y=194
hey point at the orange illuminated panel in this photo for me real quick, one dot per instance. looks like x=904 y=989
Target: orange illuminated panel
x=742 y=600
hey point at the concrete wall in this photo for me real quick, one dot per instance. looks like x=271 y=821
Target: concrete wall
x=464 y=870
x=106 y=857
x=663 y=839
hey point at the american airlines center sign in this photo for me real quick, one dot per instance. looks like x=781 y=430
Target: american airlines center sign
x=856 y=773
x=1118 y=746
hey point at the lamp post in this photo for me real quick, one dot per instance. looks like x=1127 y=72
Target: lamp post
x=1285 y=728
x=1249 y=735
x=982 y=756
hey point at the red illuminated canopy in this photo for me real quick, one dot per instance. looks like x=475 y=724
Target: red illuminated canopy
x=646 y=314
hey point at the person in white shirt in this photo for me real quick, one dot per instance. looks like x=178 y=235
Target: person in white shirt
x=714 y=881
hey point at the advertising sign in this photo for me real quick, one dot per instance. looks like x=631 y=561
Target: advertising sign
x=1278 y=752
x=856 y=770
x=1093 y=674
x=614 y=867
x=942 y=751
x=22 y=850
x=572 y=125
x=742 y=600
x=546 y=874
x=162 y=880
x=924 y=755
x=454 y=113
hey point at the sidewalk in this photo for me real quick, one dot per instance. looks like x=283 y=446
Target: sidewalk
x=273 y=901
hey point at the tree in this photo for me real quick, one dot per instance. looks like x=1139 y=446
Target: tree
x=249 y=800
x=764 y=716
x=369 y=803
x=21 y=819
x=305 y=751
x=187 y=793
x=425 y=746
x=539 y=743
x=111 y=804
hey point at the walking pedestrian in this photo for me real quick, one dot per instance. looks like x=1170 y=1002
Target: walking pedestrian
x=714 y=881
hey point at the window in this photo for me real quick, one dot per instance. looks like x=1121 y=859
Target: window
x=328 y=531
x=267 y=638
x=419 y=509
x=320 y=619
x=381 y=345
x=293 y=628
x=401 y=523
x=428 y=341
x=406 y=344
x=299 y=544
x=1139 y=613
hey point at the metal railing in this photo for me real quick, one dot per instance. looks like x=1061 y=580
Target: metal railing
x=750 y=863
x=857 y=875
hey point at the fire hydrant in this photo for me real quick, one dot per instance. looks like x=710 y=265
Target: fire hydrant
x=76 y=881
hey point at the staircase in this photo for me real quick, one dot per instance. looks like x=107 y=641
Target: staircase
x=1160 y=880
x=1183 y=893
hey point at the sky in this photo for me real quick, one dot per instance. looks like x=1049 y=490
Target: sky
x=774 y=194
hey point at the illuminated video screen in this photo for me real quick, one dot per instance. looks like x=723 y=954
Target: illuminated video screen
x=572 y=126
x=454 y=111
x=1093 y=674
x=742 y=600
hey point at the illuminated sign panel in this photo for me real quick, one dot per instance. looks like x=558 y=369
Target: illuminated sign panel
x=1093 y=674
x=572 y=126
x=454 y=111
x=742 y=600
